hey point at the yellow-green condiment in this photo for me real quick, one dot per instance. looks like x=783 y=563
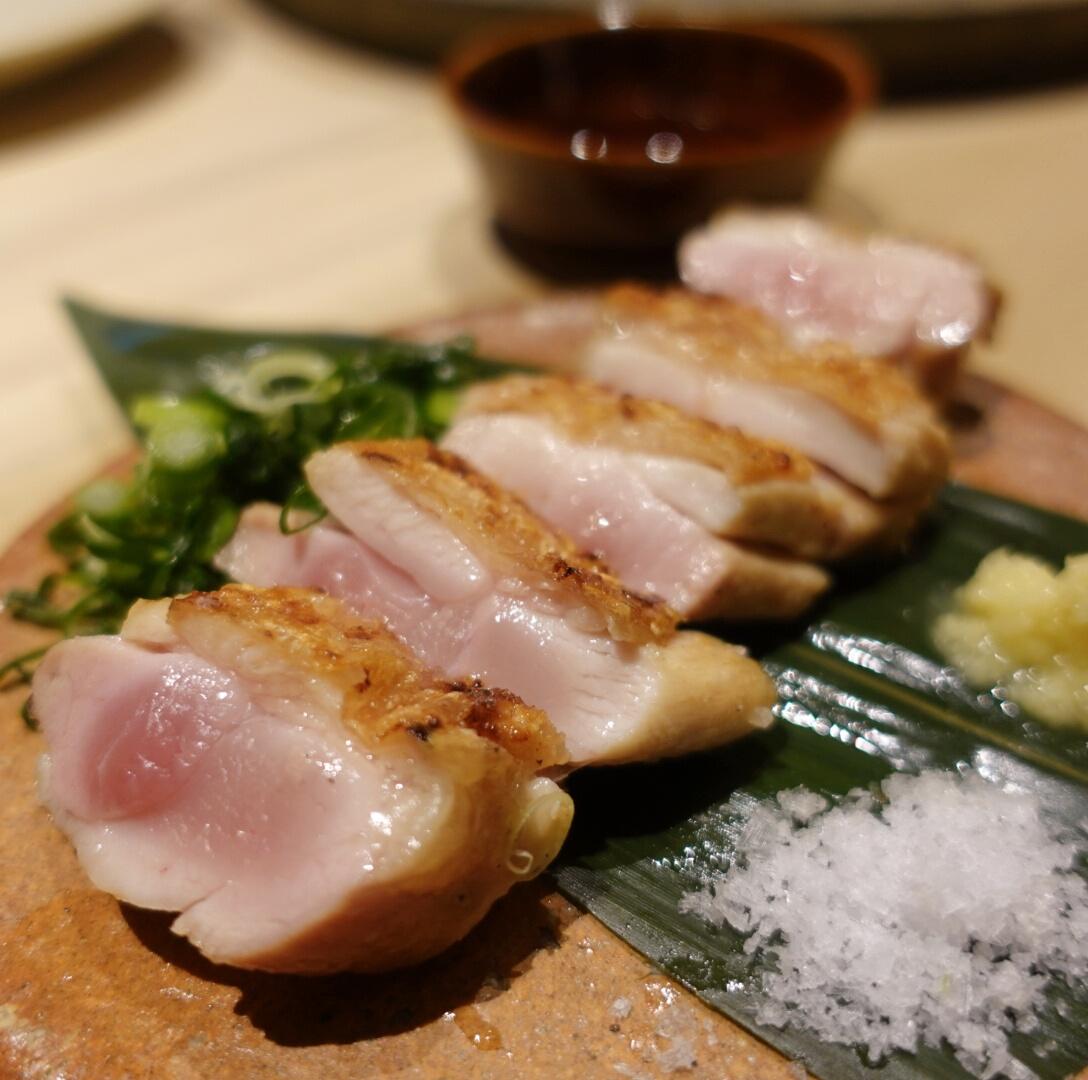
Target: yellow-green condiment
x=1023 y=626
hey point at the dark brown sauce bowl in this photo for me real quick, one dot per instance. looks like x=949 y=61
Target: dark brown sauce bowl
x=623 y=139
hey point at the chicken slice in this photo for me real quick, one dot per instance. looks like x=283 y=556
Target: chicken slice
x=880 y=295
x=293 y=781
x=712 y=358
x=614 y=510
x=731 y=484
x=480 y=587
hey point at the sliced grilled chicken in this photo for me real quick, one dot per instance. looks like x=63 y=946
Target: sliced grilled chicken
x=880 y=295
x=480 y=587
x=644 y=515
x=732 y=484
x=860 y=418
x=293 y=781
x=614 y=513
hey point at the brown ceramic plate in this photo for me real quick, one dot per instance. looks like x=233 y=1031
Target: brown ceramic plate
x=94 y=990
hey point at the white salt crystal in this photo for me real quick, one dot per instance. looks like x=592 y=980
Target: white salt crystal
x=679 y=1057
x=939 y=912
x=801 y=804
x=676 y=1025
x=621 y=1008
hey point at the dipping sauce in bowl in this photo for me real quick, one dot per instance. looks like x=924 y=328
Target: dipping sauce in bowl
x=625 y=138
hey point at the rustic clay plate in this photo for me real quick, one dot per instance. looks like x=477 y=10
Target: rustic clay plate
x=97 y=990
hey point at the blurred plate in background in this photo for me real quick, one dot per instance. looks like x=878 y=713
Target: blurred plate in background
x=916 y=44
x=37 y=36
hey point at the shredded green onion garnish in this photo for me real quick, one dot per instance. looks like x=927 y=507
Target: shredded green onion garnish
x=241 y=439
x=273 y=381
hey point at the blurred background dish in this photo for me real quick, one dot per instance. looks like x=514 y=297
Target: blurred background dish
x=37 y=36
x=625 y=138
x=917 y=45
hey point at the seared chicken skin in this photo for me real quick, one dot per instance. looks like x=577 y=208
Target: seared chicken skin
x=882 y=296
x=609 y=472
x=732 y=484
x=709 y=357
x=293 y=781
x=480 y=587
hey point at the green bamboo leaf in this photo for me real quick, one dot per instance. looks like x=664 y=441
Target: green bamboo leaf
x=138 y=357
x=863 y=692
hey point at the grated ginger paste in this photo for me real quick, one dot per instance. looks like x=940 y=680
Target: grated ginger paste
x=1021 y=625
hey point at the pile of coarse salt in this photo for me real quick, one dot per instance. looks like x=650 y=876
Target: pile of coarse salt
x=939 y=911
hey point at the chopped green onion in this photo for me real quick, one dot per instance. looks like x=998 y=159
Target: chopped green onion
x=221 y=521
x=184 y=445
x=275 y=381
x=21 y=666
x=379 y=411
x=64 y=537
x=301 y=509
x=97 y=540
x=150 y=410
x=241 y=438
x=440 y=406
x=105 y=499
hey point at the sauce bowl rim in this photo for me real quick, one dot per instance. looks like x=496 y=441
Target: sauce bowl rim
x=832 y=52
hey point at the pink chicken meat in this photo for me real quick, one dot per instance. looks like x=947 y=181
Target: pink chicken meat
x=881 y=295
x=480 y=587
x=860 y=418
x=292 y=780
x=715 y=522
x=654 y=517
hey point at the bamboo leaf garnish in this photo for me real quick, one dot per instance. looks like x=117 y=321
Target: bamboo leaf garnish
x=860 y=697
x=804 y=656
